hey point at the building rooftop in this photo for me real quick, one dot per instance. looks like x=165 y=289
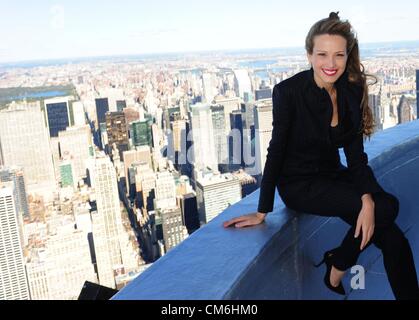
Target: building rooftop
x=274 y=260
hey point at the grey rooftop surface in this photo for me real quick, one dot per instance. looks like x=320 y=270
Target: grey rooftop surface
x=274 y=260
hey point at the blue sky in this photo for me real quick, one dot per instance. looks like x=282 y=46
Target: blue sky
x=44 y=29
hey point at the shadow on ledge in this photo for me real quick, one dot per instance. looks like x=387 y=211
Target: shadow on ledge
x=274 y=260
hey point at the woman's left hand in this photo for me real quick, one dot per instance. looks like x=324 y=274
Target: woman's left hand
x=365 y=222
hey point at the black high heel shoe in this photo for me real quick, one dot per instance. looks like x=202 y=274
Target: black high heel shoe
x=327 y=258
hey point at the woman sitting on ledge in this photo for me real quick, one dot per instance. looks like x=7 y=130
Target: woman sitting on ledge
x=315 y=112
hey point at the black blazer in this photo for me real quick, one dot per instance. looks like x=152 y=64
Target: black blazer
x=301 y=146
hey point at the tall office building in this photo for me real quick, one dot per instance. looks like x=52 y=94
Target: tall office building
x=263 y=93
x=139 y=154
x=184 y=158
x=214 y=193
x=24 y=142
x=177 y=144
x=173 y=113
x=38 y=277
x=229 y=104
x=102 y=106
x=220 y=137
x=104 y=266
x=116 y=129
x=59 y=269
x=174 y=232
x=141 y=132
x=120 y=105
x=179 y=134
x=130 y=251
x=107 y=221
x=248 y=115
x=54 y=143
x=69 y=254
x=57 y=114
x=242 y=83
x=13 y=281
x=236 y=147
x=150 y=103
x=75 y=145
x=144 y=187
x=247 y=182
x=165 y=190
x=103 y=136
x=204 y=154
x=375 y=105
x=183 y=185
x=156 y=135
x=133 y=113
x=16 y=175
x=113 y=95
x=78 y=113
x=405 y=110
x=189 y=208
x=209 y=84
x=387 y=109
x=263 y=134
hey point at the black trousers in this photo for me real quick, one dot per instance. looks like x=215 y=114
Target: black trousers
x=335 y=195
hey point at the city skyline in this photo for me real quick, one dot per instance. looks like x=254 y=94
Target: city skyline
x=58 y=30
x=108 y=163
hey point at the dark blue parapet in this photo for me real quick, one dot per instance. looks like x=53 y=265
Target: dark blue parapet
x=274 y=260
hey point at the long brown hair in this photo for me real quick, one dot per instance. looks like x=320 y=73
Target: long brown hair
x=356 y=71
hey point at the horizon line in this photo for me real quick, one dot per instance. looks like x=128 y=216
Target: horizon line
x=122 y=55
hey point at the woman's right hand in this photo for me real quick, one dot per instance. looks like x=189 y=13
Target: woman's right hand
x=246 y=220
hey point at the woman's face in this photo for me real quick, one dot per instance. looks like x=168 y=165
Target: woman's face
x=328 y=59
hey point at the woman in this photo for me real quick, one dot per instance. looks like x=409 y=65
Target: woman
x=315 y=112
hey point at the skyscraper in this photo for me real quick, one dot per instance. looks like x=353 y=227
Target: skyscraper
x=59 y=269
x=204 y=154
x=75 y=144
x=141 y=132
x=57 y=114
x=174 y=232
x=116 y=129
x=139 y=154
x=144 y=187
x=242 y=83
x=220 y=137
x=209 y=82
x=102 y=106
x=263 y=134
x=78 y=113
x=405 y=110
x=387 y=111
x=263 y=93
x=24 y=142
x=107 y=220
x=236 y=158
x=189 y=209
x=15 y=174
x=165 y=190
x=133 y=113
x=120 y=105
x=214 y=193
x=229 y=104
x=13 y=281
x=179 y=133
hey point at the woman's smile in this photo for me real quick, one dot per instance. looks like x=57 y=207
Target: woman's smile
x=329 y=72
